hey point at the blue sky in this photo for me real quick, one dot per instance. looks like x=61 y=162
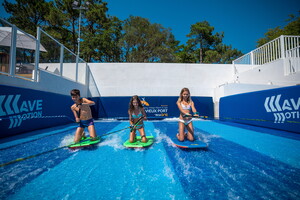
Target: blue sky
x=242 y=21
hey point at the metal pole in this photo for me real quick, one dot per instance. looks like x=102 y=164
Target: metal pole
x=282 y=46
x=37 y=54
x=78 y=46
x=13 y=48
x=61 y=60
x=78 y=40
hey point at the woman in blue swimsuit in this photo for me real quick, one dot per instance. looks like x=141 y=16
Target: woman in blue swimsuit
x=186 y=108
x=135 y=112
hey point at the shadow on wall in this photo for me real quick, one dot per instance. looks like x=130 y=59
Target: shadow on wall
x=93 y=90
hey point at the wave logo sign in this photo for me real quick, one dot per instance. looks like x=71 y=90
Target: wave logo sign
x=9 y=106
x=283 y=110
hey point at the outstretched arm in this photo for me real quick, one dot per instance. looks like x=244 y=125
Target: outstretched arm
x=87 y=102
x=194 y=109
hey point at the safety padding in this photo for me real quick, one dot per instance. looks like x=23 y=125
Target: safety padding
x=23 y=110
x=275 y=108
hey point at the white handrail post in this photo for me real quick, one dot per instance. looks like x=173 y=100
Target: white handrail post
x=37 y=53
x=77 y=60
x=61 y=59
x=282 y=46
x=87 y=69
x=78 y=46
x=13 y=50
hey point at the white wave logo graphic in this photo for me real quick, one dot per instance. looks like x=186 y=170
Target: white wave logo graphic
x=28 y=110
x=289 y=109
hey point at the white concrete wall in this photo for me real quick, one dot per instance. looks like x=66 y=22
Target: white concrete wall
x=165 y=79
x=255 y=78
x=162 y=79
x=159 y=79
x=68 y=69
x=236 y=88
x=267 y=74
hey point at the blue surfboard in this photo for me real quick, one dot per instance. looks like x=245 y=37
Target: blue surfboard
x=196 y=144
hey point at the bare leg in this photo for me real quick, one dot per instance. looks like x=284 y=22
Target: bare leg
x=92 y=131
x=78 y=134
x=143 y=135
x=83 y=135
x=180 y=136
x=190 y=135
x=132 y=136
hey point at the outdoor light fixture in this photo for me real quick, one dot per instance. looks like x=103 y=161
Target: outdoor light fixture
x=76 y=6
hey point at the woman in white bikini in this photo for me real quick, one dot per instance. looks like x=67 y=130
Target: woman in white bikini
x=186 y=107
x=135 y=112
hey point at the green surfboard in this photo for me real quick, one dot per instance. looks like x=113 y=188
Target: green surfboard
x=84 y=143
x=139 y=143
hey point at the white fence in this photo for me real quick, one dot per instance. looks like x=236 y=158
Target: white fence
x=292 y=62
x=283 y=47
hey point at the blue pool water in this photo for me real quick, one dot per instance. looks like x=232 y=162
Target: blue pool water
x=241 y=162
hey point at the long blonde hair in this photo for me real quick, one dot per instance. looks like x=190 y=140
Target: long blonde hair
x=180 y=99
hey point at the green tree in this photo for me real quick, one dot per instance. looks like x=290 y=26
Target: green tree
x=62 y=20
x=27 y=15
x=206 y=47
x=105 y=38
x=186 y=54
x=202 y=39
x=146 y=42
x=101 y=35
x=292 y=28
x=222 y=54
x=57 y=18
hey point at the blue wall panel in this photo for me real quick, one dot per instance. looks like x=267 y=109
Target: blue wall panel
x=275 y=108
x=23 y=110
x=155 y=107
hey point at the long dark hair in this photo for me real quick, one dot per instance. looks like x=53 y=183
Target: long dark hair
x=131 y=107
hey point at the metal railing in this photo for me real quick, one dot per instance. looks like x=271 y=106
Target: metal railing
x=293 y=61
x=283 y=47
x=17 y=52
x=60 y=60
x=24 y=61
